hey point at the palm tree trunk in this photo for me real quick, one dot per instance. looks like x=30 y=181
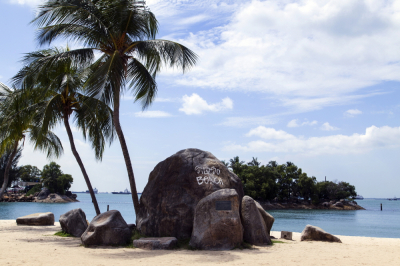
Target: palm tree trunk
x=7 y=170
x=125 y=152
x=78 y=159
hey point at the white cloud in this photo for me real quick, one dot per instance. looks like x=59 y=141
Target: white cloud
x=294 y=123
x=352 y=112
x=327 y=127
x=152 y=114
x=196 y=105
x=280 y=141
x=308 y=53
x=269 y=133
x=246 y=121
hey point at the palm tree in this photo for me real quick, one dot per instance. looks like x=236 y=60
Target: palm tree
x=16 y=124
x=14 y=171
x=60 y=88
x=123 y=33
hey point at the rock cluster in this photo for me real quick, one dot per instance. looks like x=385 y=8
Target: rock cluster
x=17 y=198
x=175 y=187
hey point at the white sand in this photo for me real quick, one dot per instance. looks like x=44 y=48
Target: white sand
x=35 y=245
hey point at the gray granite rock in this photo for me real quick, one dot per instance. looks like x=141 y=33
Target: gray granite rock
x=43 y=193
x=255 y=230
x=314 y=233
x=154 y=243
x=215 y=229
x=43 y=218
x=268 y=218
x=108 y=228
x=174 y=188
x=74 y=222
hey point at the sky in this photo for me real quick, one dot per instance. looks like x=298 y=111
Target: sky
x=314 y=82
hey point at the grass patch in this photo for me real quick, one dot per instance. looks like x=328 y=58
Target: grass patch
x=184 y=244
x=63 y=234
x=244 y=245
x=34 y=189
x=135 y=235
x=277 y=242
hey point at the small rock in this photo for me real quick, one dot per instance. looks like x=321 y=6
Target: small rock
x=315 y=233
x=153 y=243
x=44 y=218
x=286 y=235
x=108 y=228
x=255 y=230
x=74 y=222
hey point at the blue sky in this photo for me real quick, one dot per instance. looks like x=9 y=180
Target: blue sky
x=315 y=82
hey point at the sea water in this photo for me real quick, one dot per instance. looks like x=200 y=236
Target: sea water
x=371 y=222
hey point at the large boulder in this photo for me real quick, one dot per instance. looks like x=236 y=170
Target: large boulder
x=268 y=218
x=255 y=229
x=108 y=228
x=155 y=243
x=217 y=224
x=43 y=193
x=43 y=218
x=74 y=222
x=175 y=187
x=314 y=233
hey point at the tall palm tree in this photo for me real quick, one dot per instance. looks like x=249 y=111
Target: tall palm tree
x=123 y=33
x=59 y=86
x=16 y=124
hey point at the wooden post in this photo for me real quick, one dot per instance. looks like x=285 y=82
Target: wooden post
x=108 y=207
x=381 y=206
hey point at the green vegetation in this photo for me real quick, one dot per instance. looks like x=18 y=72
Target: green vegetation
x=135 y=235
x=29 y=173
x=244 y=245
x=63 y=234
x=286 y=182
x=277 y=242
x=55 y=180
x=34 y=189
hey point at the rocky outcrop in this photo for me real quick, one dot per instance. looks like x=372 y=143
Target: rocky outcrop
x=174 y=188
x=305 y=205
x=255 y=230
x=268 y=218
x=314 y=233
x=55 y=198
x=108 y=228
x=43 y=194
x=44 y=218
x=155 y=243
x=74 y=222
x=217 y=224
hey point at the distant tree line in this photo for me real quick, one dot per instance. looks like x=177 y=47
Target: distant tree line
x=286 y=182
x=50 y=176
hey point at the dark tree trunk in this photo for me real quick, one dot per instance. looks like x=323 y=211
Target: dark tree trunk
x=78 y=159
x=125 y=152
x=7 y=170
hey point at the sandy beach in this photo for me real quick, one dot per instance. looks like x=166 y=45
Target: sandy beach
x=35 y=245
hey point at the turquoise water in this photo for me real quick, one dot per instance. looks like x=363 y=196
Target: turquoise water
x=372 y=222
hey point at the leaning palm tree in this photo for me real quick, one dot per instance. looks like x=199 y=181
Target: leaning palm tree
x=59 y=88
x=16 y=125
x=122 y=32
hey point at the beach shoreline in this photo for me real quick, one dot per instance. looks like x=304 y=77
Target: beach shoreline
x=37 y=245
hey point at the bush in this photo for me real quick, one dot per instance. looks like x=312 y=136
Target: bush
x=34 y=189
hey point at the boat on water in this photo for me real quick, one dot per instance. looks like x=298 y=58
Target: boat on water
x=393 y=198
x=358 y=197
x=126 y=191
x=95 y=190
